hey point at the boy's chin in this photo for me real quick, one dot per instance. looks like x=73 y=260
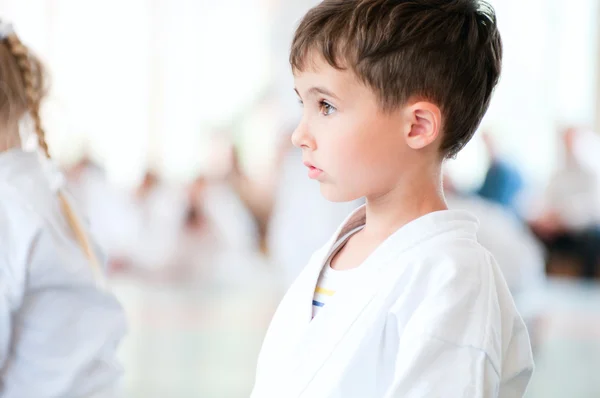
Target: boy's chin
x=333 y=193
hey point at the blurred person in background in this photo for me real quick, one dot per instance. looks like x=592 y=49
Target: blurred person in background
x=161 y=212
x=257 y=197
x=567 y=219
x=148 y=221
x=60 y=328
x=109 y=210
x=220 y=240
x=237 y=208
x=503 y=181
x=183 y=231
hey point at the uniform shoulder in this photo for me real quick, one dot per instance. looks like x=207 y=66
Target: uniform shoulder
x=462 y=257
x=19 y=228
x=16 y=210
x=454 y=292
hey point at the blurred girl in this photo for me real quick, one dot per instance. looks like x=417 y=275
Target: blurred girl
x=59 y=329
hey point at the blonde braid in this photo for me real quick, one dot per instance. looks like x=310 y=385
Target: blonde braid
x=32 y=77
x=31 y=73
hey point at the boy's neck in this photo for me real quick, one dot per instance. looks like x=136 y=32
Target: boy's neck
x=387 y=213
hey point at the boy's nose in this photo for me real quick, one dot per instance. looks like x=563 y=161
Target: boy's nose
x=301 y=138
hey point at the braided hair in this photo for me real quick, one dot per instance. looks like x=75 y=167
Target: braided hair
x=24 y=91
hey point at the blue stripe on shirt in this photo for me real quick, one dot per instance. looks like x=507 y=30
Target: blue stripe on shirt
x=318 y=303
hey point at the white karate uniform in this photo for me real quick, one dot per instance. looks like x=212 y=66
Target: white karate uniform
x=58 y=331
x=428 y=315
x=518 y=253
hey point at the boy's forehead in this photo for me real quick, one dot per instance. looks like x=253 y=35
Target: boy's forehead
x=318 y=72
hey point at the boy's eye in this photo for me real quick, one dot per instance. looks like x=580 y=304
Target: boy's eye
x=326 y=108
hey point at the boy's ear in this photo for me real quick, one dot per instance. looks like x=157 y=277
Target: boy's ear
x=424 y=124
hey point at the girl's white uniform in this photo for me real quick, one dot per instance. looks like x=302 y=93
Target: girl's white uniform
x=59 y=332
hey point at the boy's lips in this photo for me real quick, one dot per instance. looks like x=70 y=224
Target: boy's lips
x=313 y=172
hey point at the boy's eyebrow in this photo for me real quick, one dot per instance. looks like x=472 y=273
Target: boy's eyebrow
x=318 y=90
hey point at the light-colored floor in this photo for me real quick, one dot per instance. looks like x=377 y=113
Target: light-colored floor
x=568 y=350
x=196 y=338
x=201 y=340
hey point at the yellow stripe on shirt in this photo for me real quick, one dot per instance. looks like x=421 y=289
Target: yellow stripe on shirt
x=326 y=292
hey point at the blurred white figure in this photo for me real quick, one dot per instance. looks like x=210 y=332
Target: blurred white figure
x=59 y=328
x=135 y=228
x=160 y=211
x=572 y=198
x=567 y=217
x=201 y=233
x=110 y=211
x=221 y=236
x=139 y=229
x=232 y=221
x=302 y=220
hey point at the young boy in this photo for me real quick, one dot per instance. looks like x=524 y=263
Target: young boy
x=402 y=301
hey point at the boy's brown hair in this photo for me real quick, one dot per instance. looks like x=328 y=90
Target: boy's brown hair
x=448 y=52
